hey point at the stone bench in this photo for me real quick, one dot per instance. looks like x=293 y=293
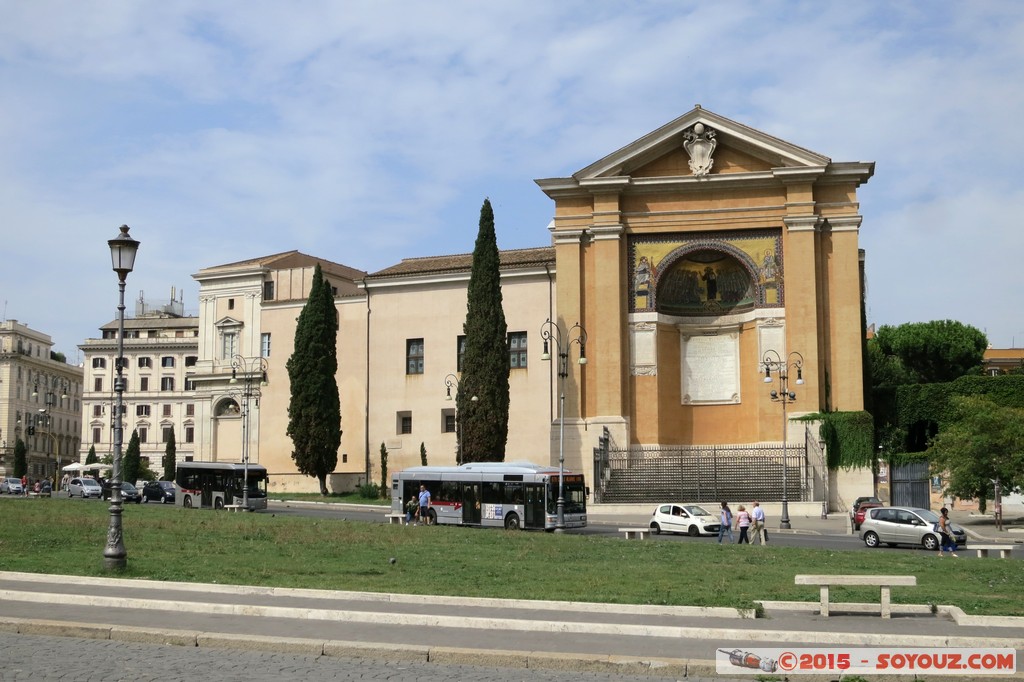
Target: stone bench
x=983 y=550
x=884 y=582
x=233 y=507
x=638 y=533
x=395 y=518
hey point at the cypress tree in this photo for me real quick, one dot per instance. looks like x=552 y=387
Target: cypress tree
x=170 y=457
x=131 y=462
x=91 y=458
x=20 y=458
x=484 y=426
x=314 y=411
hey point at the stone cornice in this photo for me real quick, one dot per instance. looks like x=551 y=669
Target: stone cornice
x=802 y=223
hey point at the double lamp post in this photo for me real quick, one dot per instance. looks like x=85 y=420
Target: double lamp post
x=773 y=362
x=550 y=332
x=452 y=381
x=45 y=419
x=253 y=373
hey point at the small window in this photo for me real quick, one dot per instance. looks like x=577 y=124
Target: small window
x=414 y=356
x=99 y=363
x=231 y=304
x=448 y=421
x=143 y=384
x=229 y=344
x=143 y=434
x=166 y=433
x=97 y=432
x=460 y=352
x=167 y=361
x=268 y=291
x=190 y=410
x=190 y=385
x=97 y=384
x=265 y=344
x=142 y=410
x=167 y=412
x=191 y=360
x=152 y=333
x=145 y=362
x=167 y=383
x=404 y=423
x=190 y=434
x=97 y=410
x=344 y=458
x=517 y=350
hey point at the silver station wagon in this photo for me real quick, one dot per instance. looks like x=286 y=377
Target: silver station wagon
x=905 y=526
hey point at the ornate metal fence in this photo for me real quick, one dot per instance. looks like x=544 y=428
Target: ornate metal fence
x=705 y=474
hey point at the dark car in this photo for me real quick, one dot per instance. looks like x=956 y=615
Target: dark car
x=162 y=491
x=129 y=493
x=870 y=498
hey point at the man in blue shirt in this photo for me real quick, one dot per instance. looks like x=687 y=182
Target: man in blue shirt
x=760 y=531
x=424 y=504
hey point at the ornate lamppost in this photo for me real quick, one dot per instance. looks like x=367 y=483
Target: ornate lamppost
x=451 y=381
x=550 y=332
x=254 y=376
x=46 y=421
x=123 y=250
x=773 y=362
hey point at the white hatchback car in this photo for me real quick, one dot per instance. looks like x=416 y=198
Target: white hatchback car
x=84 y=487
x=691 y=519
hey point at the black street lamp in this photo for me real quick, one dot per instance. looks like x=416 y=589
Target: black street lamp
x=773 y=362
x=45 y=420
x=254 y=376
x=450 y=381
x=549 y=331
x=123 y=250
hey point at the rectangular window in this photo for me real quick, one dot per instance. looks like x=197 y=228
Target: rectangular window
x=414 y=356
x=229 y=344
x=268 y=291
x=145 y=363
x=167 y=361
x=448 y=421
x=190 y=434
x=404 y=425
x=97 y=410
x=97 y=384
x=166 y=383
x=142 y=410
x=190 y=410
x=265 y=344
x=191 y=360
x=99 y=363
x=231 y=304
x=143 y=384
x=167 y=412
x=97 y=432
x=190 y=385
x=517 y=350
x=460 y=352
x=143 y=434
x=166 y=433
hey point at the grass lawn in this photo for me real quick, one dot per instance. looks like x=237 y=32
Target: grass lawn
x=169 y=543
x=346 y=498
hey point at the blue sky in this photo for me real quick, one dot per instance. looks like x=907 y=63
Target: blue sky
x=367 y=132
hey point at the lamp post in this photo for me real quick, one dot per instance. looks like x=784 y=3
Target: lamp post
x=773 y=362
x=550 y=332
x=46 y=421
x=453 y=381
x=122 y=257
x=254 y=375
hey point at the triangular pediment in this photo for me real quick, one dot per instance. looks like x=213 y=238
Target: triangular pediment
x=738 y=149
x=227 y=322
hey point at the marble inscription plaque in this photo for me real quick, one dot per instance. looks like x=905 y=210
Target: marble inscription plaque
x=710 y=369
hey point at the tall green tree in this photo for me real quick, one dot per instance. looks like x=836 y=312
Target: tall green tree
x=485 y=365
x=926 y=352
x=131 y=462
x=984 y=442
x=314 y=411
x=423 y=454
x=385 y=489
x=20 y=458
x=91 y=458
x=170 y=457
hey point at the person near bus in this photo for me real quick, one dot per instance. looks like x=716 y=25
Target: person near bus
x=412 y=509
x=424 y=500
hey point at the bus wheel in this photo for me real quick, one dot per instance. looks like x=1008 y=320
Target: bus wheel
x=187 y=502
x=218 y=503
x=512 y=522
x=431 y=517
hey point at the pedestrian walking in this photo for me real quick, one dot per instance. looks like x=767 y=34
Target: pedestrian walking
x=424 y=505
x=946 y=534
x=760 y=531
x=743 y=521
x=725 y=525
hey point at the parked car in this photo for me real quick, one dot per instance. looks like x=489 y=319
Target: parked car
x=11 y=486
x=905 y=526
x=84 y=487
x=862 y=509
x=871 y=499
x=129 y=493
x=692 y=519
x=163 y=491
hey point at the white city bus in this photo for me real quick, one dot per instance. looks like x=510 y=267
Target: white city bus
x=214 y=485
x=493 y=494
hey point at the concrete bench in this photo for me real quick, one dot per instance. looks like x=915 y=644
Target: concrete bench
x=983 y=550
x=395 y=518
x=638 y=533
x=233 y=507
x=884 y=582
